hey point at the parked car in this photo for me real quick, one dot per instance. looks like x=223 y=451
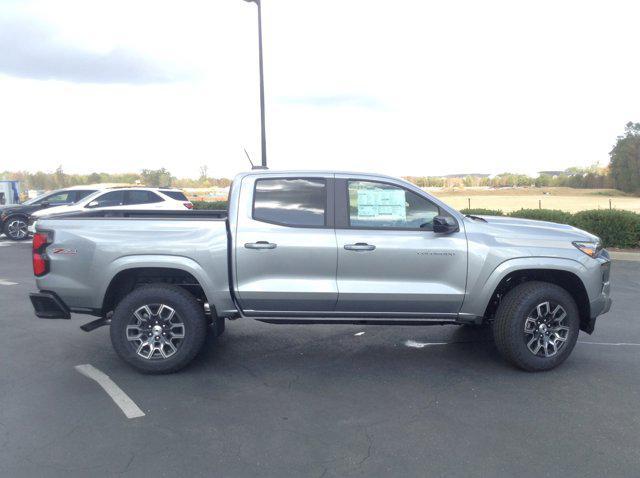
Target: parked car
x=125 y=198
x=14 y=218
x=319 y=247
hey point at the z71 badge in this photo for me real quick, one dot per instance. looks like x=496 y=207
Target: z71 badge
x=62 y=250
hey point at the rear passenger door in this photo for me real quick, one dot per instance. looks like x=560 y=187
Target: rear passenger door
x=285 y=245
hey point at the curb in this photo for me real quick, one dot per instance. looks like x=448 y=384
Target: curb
x=625 y=256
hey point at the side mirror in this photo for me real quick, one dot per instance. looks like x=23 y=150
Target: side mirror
x=445 y=225
x=45 y=204
x=93 y=204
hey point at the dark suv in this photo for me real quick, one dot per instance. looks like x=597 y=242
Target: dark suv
x=14 y=219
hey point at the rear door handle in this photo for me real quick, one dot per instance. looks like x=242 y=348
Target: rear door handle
x=260 y=245
x=359 y=246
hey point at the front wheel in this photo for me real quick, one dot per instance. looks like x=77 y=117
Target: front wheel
x=16 y=228
x=536 y=326
x=158 y=328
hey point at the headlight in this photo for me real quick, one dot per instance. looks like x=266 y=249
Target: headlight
x=590 y=248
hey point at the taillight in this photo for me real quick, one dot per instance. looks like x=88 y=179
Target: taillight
x=40 y=260
x=188 y=205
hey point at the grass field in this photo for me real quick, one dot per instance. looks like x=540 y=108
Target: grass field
x=512 y=199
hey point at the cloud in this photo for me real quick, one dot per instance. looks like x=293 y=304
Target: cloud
x=335 y=101
x=30 y=50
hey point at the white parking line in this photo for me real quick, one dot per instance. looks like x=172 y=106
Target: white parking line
x=128 y=406
x=420 y=345
x=607 y=343
x=6 y=282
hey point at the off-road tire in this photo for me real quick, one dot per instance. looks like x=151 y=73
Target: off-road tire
x=191 y=313
x=509 y=323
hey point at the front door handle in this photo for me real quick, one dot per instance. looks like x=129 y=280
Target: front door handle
x=359 y=246
x=260 y=245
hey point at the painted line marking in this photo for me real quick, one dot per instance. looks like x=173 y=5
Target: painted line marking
x=358 y=334
x=6 y=282
x=607 y=343
x=420 y=345
x=128 y=406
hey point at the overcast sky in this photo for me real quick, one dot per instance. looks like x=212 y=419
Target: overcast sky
x=400 y=87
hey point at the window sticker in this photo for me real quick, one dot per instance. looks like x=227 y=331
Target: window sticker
x=382 y=203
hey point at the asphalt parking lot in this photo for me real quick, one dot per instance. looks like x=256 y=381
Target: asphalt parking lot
x=287 y=400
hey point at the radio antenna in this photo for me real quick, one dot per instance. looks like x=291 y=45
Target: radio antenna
x=253 y=166
x=249 y=158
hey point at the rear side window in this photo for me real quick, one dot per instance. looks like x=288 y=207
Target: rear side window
x=142 y=197
x=177 y=195
x=291 y=202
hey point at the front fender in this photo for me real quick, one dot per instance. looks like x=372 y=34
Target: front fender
x=479 y=294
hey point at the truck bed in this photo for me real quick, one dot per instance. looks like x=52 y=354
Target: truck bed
x=142 y=214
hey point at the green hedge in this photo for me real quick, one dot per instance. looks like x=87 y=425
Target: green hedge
x=210 y=204
x=616 y=228
x=551 y=215
x=482 y=212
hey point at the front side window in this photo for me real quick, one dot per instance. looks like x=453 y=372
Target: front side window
x=110 y=199
x=379 y=205
x=291 y=202
x=59 y=198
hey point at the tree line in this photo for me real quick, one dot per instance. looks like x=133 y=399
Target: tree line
x=623 y=172
x=149 y=177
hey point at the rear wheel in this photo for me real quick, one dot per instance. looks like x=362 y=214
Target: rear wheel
x=536 y=326
x=158 y=328
x=16 y=228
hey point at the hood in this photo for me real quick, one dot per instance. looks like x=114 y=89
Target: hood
x=51 y=210
x=543 y=230
x=16 y=207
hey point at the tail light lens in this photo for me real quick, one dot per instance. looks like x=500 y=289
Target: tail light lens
x=40 y=260
x=188 y=205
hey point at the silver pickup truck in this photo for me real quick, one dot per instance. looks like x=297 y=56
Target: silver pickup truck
x=319 y=247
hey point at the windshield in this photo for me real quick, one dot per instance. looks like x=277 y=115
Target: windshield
x=36 y=199
x=89 y=198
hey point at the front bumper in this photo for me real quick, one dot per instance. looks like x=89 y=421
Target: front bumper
x=602 y=303
x=47 y=305
x=32 y=225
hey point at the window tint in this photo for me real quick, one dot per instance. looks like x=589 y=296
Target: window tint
x=110 y=199
x=65 y=197
x=291 y=202
x=177 y=195
x=81 y=194
x=142 y=197
x=379 y=205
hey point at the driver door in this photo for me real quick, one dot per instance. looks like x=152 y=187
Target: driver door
x=389 y=258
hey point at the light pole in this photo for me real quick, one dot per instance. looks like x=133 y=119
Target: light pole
x=262 y=121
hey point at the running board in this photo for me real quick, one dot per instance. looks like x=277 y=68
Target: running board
x=358 y=322
x=95 y=324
